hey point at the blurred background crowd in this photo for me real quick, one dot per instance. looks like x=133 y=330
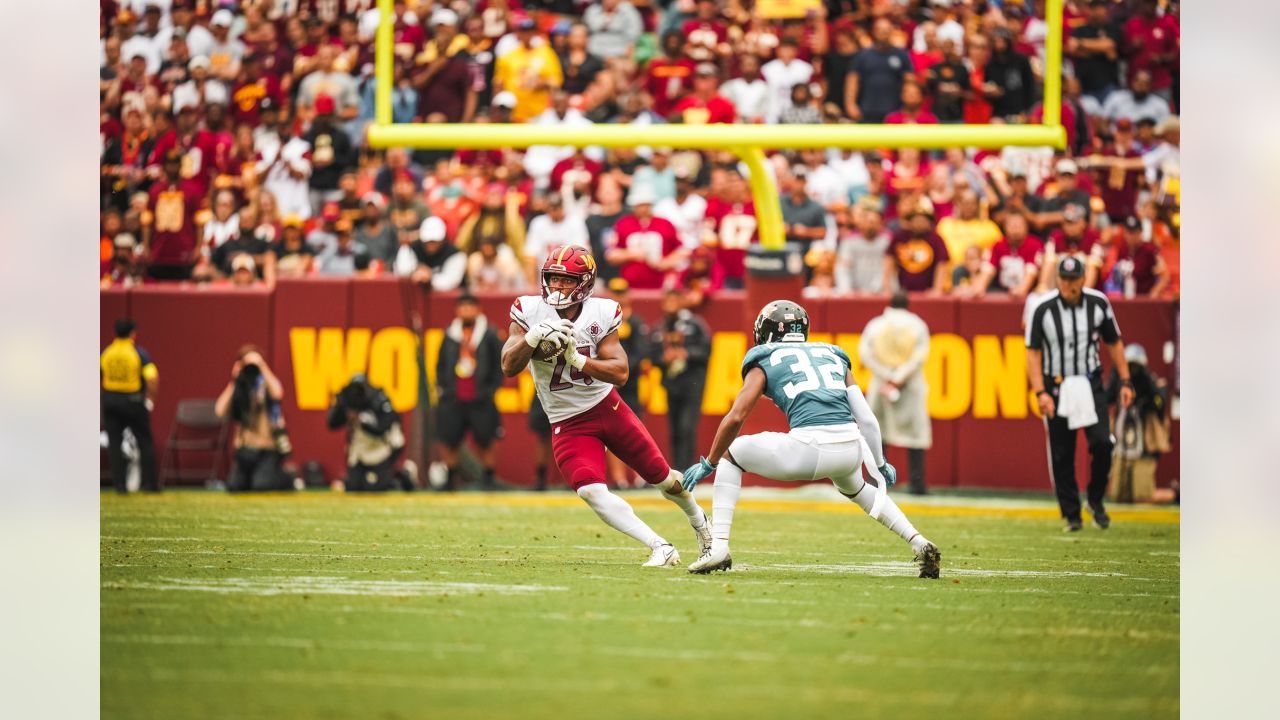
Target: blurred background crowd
x=233 y=142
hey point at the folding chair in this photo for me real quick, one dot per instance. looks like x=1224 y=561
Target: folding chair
x=196 y=429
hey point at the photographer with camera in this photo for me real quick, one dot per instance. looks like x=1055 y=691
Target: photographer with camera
x=252 y=400
x=375 y=439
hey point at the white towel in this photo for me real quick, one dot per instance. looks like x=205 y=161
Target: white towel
x=1075 y=402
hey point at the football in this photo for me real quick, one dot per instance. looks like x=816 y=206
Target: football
x=547 y=351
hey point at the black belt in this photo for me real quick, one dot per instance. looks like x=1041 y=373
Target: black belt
x=131 y=397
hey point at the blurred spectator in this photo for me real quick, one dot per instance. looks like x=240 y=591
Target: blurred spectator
x=1013 y=265
x=495 y=221
x=647 y=247
x=1164 y=163
x=861 y=250
x=1047 y=209
x=255 y=87
x=530 y=71
x=129 y=382
x=602 y=226
x=1139 y=269
x=615 y=26
x=731 y=219
x=1154 y=42
x=225 y=52
x=125 y=156
x=494 y=267
x=346 y=257
x=293 y=256
x=1141 y=429
x=447 y=87
x=965 y=275
x=801 y=108
x=685 y=342
x=375 y=437
x=1120 y=170
x=948 y=84
x=873 y=88
x=912 y=111
x=244 y=271
x=169 y=229
x=803 y=220
x=431 y=259
x=331 y=155
x=1094 y=49
x=1009 y=84
x=122 y=268
x=284 y=167
x=917 y=259
x=551 y=230
x=578 y=63
x=468 y=374
x=704 y=105
x=224 y=225
x=748 y=92
x=246 y=242
x=1075 y=237
x=894 y=346
x=781 y=75
x=686 y=211
x=967 y=227
x=375 y=230
x=668 y=77
x=328 y=80
x=1137 y=102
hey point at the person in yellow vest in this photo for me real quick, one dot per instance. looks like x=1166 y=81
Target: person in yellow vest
x=129 y=384
x=530 y=72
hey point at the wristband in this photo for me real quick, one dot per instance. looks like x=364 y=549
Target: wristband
x=576 y=360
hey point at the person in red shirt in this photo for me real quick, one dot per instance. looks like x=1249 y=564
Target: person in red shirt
x=977 y=110
x=170 y=236
x=668 y=78
x=254 y=86
x=916 y=256
x=647 y=247
x=576 y=170
x=912 y=111
x=198 y=148
x=1119 y=172
x=1013 y=266
x=1139 y=269
x=706 y=34
x=705 y=106
x=734 y=227
x=1153 y=42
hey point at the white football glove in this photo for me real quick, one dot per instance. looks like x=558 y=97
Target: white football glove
x=540 y=332
x=575 y=359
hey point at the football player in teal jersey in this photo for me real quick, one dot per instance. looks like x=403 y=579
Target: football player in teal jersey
x=833 y=434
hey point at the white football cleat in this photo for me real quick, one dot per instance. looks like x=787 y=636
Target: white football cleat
x=664 y=555
x=704 y=534
x=710 y=562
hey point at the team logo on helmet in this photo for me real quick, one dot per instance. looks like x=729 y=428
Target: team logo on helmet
x=782 y=321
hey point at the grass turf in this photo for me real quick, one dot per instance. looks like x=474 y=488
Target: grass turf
x=324 y=606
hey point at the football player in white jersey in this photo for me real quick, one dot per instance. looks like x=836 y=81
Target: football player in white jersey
x=570 y=342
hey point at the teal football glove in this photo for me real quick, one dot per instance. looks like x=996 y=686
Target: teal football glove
x=889 y=473
x=696 y=473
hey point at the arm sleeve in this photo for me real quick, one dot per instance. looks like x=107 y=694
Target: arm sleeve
x=867 y=422
x=517 y=315
x=1110 y=329
x=337 y=416
x=1035 y=334
x=149 y=371
x=699 y=347
x=450 y=276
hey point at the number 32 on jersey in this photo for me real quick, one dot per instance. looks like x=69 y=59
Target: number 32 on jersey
x=816 y=367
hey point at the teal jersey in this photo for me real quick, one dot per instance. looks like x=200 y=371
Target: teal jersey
x=805 y=380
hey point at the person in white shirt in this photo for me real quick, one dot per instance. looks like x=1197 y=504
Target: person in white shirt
x=781 y=74
x=225 y=52
x=1137 y=102
x=852 y=169
x=225 y=223
x=540 y=160
x=822 y=182
x=551 y=230
x=687 y=211
x=749 y=93
x=283 y=169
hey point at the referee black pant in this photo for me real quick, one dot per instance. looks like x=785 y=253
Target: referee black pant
x=127 y=410
x=1062 y=452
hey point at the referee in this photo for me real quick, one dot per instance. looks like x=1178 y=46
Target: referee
x=129 y=381
x=1065 y=369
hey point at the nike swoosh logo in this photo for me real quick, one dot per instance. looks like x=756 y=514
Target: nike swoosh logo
x=615 y=405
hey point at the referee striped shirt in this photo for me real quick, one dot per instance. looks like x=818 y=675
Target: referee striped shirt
x=1067 y=337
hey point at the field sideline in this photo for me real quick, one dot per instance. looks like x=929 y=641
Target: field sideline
x=524 y=605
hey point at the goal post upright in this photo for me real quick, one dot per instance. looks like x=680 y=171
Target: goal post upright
x=748 y=142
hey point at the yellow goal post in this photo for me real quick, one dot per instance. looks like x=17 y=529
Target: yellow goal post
x=748 y=142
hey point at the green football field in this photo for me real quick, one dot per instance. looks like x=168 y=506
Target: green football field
x=526 y=606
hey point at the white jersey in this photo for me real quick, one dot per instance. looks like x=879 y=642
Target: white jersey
x=565 y=392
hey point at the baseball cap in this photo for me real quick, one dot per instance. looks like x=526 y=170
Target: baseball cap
x=619 y=285
x=1124 y=124
x=1132 y=223
x=1169 y=124
x=444 y=16
x=373 y=198
x=1070 y=267
x=199 y=61
x=1066 y=166
x=330 y=212
x=526 y=23
x=642 y=194
x=342 y=226
x=324 y=104
x=923 y=206
x=1017 y=173
x=505 y=99
x=555 y=201
x=125 y=241
x=185 y=98
x=222 y=18
x=432 y=230
x=243 y=261
x=292 y=220
x=1073 y=213
x=707 y=70
x=467 y=297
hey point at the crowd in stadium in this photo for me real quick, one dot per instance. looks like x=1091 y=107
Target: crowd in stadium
x=233 y=148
